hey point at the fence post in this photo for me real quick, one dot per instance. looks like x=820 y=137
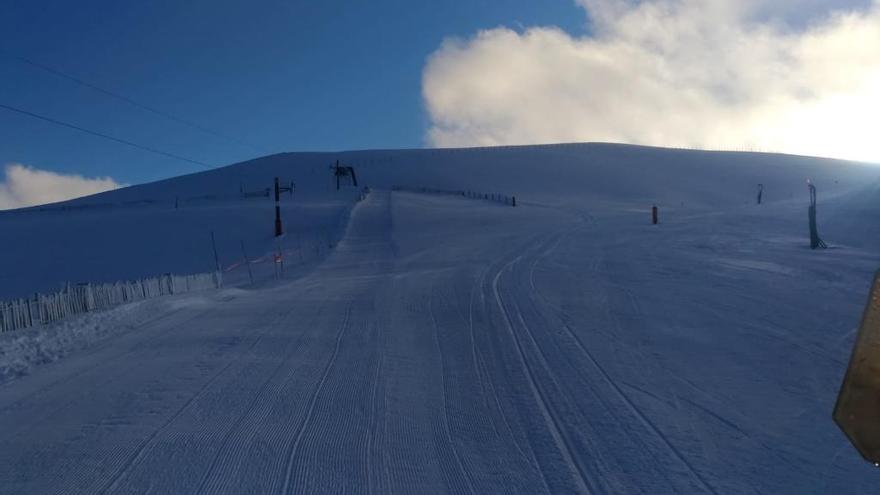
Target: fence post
x=247 y=262
x=815 y=240
x=214 y=246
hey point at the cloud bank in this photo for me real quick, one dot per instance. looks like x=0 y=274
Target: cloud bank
x=797 y=77
x=26 y=186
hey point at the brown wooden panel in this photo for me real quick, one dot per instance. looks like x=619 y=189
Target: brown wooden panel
x=858 y=406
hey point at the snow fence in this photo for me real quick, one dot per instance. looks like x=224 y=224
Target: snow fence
x=494 y=197
x=84 y=298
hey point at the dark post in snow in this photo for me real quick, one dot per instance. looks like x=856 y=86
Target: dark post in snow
x=278 y=229
x=760 y=192
x=214 y=247
x=815 y=240
x=513 y=201
x=654 y=215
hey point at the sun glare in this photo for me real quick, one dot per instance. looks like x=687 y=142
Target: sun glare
x=837 y=126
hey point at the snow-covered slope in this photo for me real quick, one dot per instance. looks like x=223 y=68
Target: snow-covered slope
x=551 y=173
x=450 y=345
x=137 y=231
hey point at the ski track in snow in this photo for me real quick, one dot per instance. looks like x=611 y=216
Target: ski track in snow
x=541 y=356
x=582 y=479
x=303 y=427
x=604 y=375
x=448 y=441
x=144 y=448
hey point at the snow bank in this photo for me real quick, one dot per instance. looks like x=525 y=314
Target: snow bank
x=22 y=350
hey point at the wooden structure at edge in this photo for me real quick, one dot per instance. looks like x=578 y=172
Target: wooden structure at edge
x=857 y=411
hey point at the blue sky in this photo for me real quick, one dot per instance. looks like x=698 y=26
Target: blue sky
x=280 y=75
x=792 y=76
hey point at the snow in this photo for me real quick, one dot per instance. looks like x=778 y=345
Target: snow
x=127 y=243
x=453 y=345
x=21 y=351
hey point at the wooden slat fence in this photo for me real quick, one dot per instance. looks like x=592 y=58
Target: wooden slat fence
x=494 y=197
x=46 y=308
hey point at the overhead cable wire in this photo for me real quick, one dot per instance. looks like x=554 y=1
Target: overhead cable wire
x=105 y=136
x=128 y=100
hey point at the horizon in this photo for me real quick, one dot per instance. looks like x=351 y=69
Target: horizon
x=43 y=188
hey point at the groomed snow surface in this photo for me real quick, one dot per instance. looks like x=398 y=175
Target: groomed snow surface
x=451 y=345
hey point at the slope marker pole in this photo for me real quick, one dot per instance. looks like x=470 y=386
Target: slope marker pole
x=214 y=246
x=247 y=262
x=278 y=229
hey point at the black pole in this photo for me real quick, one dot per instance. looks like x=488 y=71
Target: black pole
x=654 y=214
x=815 y=240
x=278 y=229
x=760 y=192
x=214 y=247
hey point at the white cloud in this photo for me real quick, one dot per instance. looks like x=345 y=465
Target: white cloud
x=26 y=186
x=758 y=74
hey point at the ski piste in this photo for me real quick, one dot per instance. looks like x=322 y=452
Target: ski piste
x=437 y=343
